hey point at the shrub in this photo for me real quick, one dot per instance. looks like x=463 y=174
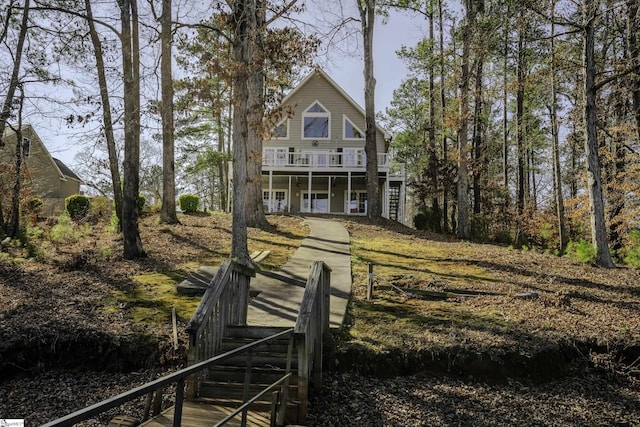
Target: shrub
x=77 y=205
x=63 y=230
x=114 y=224
x=100 y=208
x=34 y=206
x=420 y=221
x=141 y=202
x=582 y=251
x=189 y=203
x=632 y=252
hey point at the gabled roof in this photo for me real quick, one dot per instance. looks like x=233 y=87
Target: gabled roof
x=319 y=72
x=63 y=170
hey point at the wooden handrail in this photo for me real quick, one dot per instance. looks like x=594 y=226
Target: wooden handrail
x=312 y=325
x=224 y=303
x=178 y=377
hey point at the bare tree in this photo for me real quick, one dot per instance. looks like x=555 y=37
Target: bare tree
x=168 y=209
x=129 y=37
x=107 y=120
x=367 y=10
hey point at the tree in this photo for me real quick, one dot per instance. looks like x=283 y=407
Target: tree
x=462 y=229
x=131 y=69
x=367 y=11
x=168 y=209
x=594 y=177
x=107 y=120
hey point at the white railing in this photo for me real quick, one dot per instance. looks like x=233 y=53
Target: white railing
x=320 y=159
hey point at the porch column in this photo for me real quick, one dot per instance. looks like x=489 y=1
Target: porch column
x=385 y=197
x=270 y=192
x=309 y=190
x=289 y=196
x=349 y=193
x=329 y=196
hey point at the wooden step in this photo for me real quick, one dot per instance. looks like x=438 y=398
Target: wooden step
x=233 y=391
x=253 y=332
x=258 y=407
x=261 y=360
x=280 y=346
x=259 y=375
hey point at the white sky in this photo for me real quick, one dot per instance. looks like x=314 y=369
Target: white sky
x=400 y=29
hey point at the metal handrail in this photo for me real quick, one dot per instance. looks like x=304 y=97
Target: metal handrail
x=178 y=377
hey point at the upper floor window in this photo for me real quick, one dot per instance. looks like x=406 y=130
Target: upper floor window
x=316 y=122
x=281 y=131
x=351 y=131
x=26 y=147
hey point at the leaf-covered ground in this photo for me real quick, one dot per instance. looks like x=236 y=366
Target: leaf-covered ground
x=564 y=356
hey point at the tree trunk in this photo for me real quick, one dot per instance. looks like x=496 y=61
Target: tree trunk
x=445 y=149
x=241 y=28
x=15 y=74
x=557 y=175
x=505 y=118
x=222 y=164
x=433 y=152
x=633 y=46
x=367 y=19
x=478 y=143
x=462 y=229
x=14 y=227
x=168 y=209
x=254 y=207
x=114 y=163
x=131 y=69
x=594 y=178
x=520 y=118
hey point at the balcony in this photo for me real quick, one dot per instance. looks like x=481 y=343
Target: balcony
x=281 y=159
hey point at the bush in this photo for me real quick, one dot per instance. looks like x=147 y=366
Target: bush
x=582 y=251
x=34 y=206
x=77 y=206
x=63 y=230
x=632 y=252
x=420 y=221
x=100 y=208
x=142 y=201
x=189 y=203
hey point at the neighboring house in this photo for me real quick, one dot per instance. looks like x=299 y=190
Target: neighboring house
x=46 y=177
x=315 y=160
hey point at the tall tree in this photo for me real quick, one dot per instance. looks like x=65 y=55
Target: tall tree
x=256 y=61
x=131 y=69
x=462 y=229
x=594 y=177
x=5 y=114
x=107 y=120
x=557 y=175
x=168 y=209
x=367 y=11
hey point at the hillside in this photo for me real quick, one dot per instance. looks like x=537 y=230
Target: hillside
x=445 y=340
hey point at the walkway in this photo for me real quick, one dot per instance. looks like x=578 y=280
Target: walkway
x=280 y=292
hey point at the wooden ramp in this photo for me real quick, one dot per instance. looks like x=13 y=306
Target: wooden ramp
x=199 y=414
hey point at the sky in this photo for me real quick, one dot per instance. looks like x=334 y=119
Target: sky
x=401 y=29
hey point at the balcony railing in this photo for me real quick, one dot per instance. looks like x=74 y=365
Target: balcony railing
x=276 y=158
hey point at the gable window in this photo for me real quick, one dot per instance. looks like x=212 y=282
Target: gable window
x=281 y=131
x=351 y=131
x=26 y=147
x=316 y=122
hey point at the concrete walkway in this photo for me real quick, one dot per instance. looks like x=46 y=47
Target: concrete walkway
x=280 y=292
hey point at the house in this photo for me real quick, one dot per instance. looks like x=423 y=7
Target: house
x=315 y=160
x=46 y=177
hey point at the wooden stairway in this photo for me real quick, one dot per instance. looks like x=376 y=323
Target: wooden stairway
x=224 y=383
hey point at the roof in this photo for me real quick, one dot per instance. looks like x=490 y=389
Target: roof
x=318 y=71
x=62 y=169
x=68 y=173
